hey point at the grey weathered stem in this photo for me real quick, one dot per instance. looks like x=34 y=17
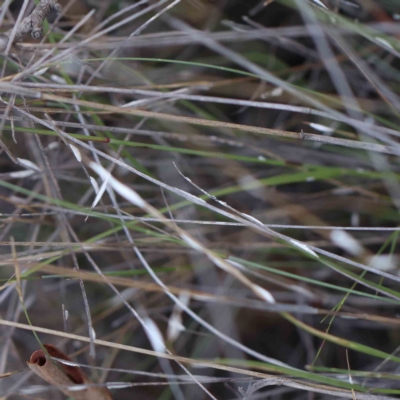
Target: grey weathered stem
x=30 y=25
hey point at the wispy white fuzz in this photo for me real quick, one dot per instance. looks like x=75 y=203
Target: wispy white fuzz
x=321 y=128
x=94 y=184
x=118 y=385
x=58 y=79
x=384 y=262
x=123 y=190
x=267 y=296
x=175 y=326
x=28 y=164
x=21 y=174
x=384 y=42
x=102 y=189
x=53 y=146
x=303 y=247
x=154 y=335
x=76 y=152
x=41 y=71
x=277 y=92
x=346 y=242
x=320 y=3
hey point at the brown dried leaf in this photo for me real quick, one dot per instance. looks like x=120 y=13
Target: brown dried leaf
x=59 y=374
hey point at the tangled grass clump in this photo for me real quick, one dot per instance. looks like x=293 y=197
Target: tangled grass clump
x=199 y=199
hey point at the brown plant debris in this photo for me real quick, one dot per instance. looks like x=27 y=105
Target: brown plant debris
x=62 y=375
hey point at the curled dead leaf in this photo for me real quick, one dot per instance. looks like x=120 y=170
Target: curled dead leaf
x=63 y=375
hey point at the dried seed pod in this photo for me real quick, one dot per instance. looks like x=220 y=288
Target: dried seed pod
x=62 y=375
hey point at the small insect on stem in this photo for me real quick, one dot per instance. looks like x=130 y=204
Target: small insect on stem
x=32 y=24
